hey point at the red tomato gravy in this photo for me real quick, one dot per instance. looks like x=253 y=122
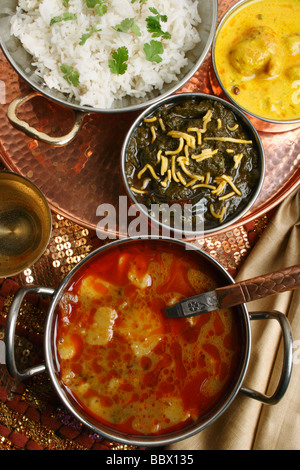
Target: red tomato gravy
x=124 y=362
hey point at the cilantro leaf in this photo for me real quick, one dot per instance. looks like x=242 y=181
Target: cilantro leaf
x=71 y=75
x=91 y=3
x=118 y=65
x=153 y=50
x=163 y=18
x=101 y=9
x=128 y=25
x=65 y=17
x=154 y=26
x=99 y=5
x=86 y=36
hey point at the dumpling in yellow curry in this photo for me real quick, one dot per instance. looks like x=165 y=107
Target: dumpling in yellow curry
x=258 y=52
x=257 y=57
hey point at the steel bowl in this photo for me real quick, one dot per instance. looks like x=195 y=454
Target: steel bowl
x=50 y=365
x=261 y=123
x=157 y=222
x=21 y=61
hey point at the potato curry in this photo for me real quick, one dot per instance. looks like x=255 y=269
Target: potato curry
x=128 y=365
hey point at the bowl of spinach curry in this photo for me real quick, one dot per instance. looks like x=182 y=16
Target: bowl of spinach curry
x=192 y=164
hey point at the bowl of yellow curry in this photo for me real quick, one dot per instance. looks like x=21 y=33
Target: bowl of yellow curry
x=256 y=61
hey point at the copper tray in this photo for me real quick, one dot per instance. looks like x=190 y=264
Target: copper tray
x=79 y=177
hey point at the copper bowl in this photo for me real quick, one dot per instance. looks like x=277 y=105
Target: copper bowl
x=260 y=123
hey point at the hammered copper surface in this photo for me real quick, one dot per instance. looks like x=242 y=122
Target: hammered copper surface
x=77 y=178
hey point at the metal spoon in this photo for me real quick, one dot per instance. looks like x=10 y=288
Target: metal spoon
x=238 y=293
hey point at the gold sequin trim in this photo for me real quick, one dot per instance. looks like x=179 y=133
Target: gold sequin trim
x=35 y=431
x=6 y=444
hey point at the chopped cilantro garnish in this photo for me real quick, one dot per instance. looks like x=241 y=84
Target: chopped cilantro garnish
x=141 y=1
x=154 y=26
x=128 y=25
x=71 y=75
x=66 y=3
x=99 y=5
x=65 y=17
x=153 y=50
x=91 y=3
x=118 y=65
x=163 y=18
x=87 y=35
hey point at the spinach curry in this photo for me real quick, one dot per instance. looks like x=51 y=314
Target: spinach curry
x=190 y=152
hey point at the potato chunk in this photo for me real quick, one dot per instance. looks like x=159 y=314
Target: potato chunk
x=67 y=349
x=292 y=44
x=173 y=410
x=141 y=281
x=93 y=288
x=293 y=72
x=101 y=330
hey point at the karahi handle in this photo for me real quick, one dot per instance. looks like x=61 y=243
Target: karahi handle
x=10 y=329
x=287 y=360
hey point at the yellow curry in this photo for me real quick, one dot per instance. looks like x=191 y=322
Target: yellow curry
x=257 y=57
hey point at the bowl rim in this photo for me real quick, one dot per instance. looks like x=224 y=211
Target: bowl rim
x=110 y=433
x=46 y=91
x=223 y=21
x=233 y=220
x=37 y=190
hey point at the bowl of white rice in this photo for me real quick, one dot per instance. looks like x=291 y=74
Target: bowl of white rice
x=107 y=56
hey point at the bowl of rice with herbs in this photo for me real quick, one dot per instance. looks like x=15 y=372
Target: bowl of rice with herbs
x=107 y=55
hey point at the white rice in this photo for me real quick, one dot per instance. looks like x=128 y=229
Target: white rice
x=98 y=87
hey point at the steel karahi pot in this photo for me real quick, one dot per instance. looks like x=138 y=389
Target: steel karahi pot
x=141 y=440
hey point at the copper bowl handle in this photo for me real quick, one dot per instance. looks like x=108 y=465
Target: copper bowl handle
x=36 y=134
x=259 y=287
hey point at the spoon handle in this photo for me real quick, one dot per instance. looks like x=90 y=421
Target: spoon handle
x=258 y=287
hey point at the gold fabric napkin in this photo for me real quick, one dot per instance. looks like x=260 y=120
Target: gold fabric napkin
x=248 y=424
